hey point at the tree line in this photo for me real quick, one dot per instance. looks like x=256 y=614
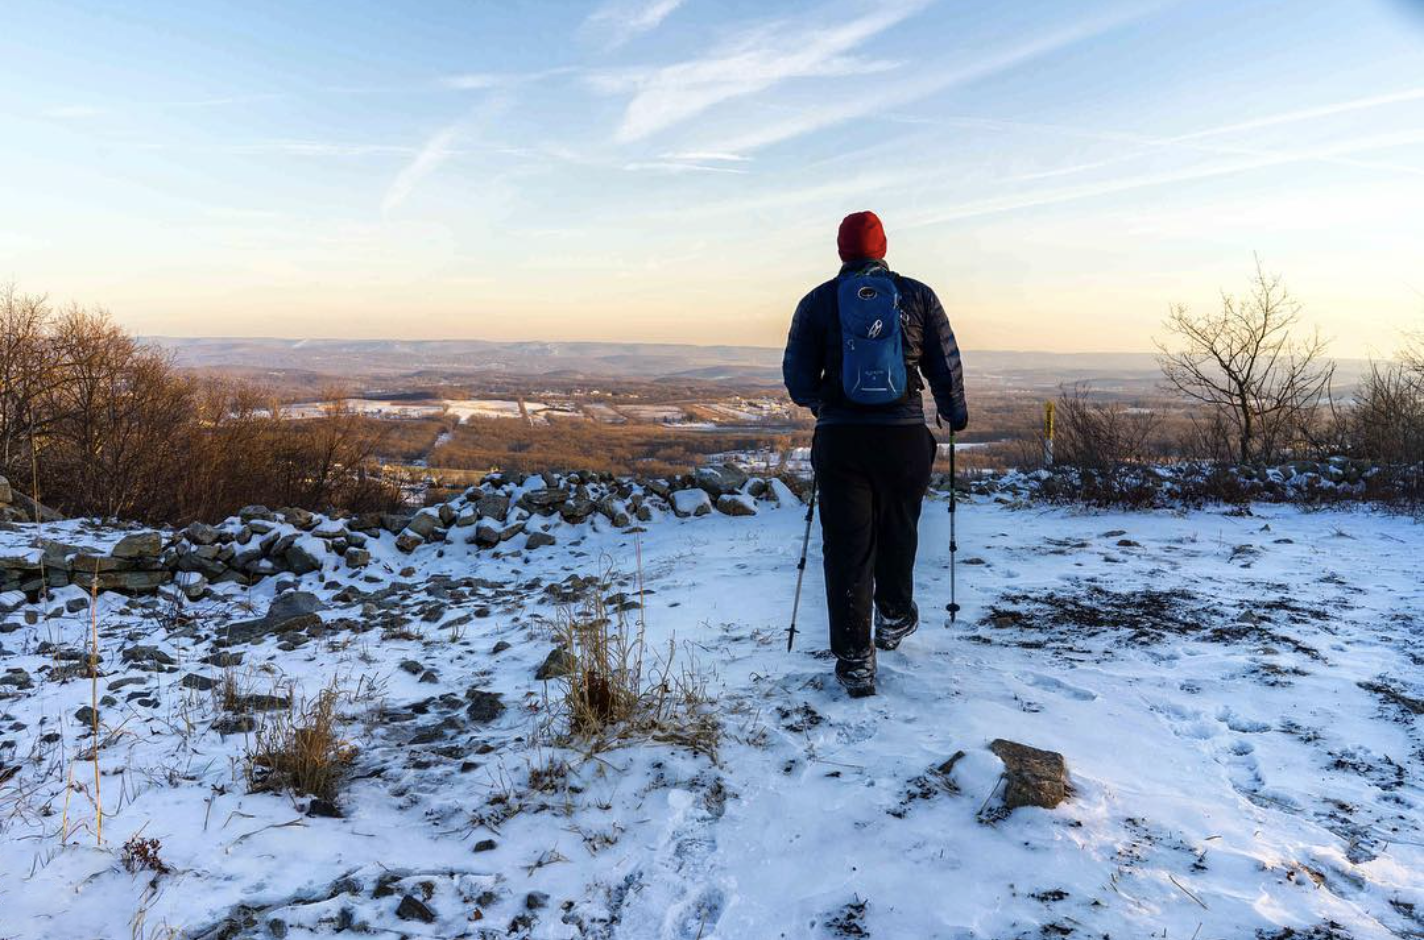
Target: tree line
x=95 y=423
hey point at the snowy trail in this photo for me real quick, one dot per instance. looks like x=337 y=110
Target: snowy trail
x=1232 y=695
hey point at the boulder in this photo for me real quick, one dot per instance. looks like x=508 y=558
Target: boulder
x=1033 y=777
x=301 y=518
x=424 y=523
x=408 y=541
x=578 y=509
x=301 y=557
x=487 y=534
x=690 y=502
x=720 y=480
x=138 y=545
x=736 y=504
x=543 y=502
x=539 y=540
x=250 y=513
x=357 y=557
x=293 y=605
x=494 y=506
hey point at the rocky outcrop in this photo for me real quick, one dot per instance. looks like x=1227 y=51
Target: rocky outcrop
x=259 y=542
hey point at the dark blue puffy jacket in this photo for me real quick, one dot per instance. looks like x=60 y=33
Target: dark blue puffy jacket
x=811 y=366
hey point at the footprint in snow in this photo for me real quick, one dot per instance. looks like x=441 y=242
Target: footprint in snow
x=1054 y=684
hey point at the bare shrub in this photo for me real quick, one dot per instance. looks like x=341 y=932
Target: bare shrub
x=1247 y=369
x=1101 y=435
x=143 y=855
x=301 y=750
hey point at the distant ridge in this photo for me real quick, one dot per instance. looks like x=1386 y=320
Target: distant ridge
x=668 y=361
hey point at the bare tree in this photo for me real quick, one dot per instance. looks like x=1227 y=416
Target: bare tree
x=1244 y=363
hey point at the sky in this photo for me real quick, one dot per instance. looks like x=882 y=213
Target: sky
x=675 y=170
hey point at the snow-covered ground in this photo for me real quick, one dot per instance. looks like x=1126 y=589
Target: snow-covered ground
x=1238 y=698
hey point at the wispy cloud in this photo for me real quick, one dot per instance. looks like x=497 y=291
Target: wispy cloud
x=706 y=156
x=680 y=166
x=1040 y=198
x=438 y=149
x=484 y=81
x=805 y=121
x=750 y=62
x=1197 y=141
x=619 y=21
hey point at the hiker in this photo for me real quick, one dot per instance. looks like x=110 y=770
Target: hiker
x=855 y=354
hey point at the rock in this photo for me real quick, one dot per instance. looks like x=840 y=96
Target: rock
x=1032 y=777
x=424 y=523
x=558 y=663
x=535 y=900
x=412 y=908
x=11 y=600
x=194 y=681
x=301 y=557
x=6 y=495
x=323 y=808
x=357 y=557
x=499 y=647
x=300 y=518
x=494 y=507
x=250 y=513
x=539 y=540
x=693 y=502
x=86 y=716
x=146 y=655
x=736 y=504
x=409 y=541
x=487 y=534
x=291 y=605
x=486 y=845
x=192 y=584
x=483 y=706
x=719 y=481
x=138 y=545
x=200 y=533
x=544 y=502
x=412 y=667
x=394 y=522
x=578 y=509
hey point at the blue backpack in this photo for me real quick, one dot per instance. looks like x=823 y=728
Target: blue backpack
x=872 y=350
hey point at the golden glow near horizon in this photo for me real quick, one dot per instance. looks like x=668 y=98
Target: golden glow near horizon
x=1059 y=175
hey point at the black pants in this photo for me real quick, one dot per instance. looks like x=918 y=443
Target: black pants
x=872 y=479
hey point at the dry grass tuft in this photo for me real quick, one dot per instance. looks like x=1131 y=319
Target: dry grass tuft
x=301 y=751
x=616 y=693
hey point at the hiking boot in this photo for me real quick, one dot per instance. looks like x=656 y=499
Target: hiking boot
x=857 y=676
x=889 y=632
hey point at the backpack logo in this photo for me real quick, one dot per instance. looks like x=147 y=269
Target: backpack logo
x=872 y=354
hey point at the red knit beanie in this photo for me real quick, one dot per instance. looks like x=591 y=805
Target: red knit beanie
x=861 y=237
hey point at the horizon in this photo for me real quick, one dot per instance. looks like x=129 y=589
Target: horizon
x=673 y=171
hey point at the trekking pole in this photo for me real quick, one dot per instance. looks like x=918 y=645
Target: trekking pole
x=953 y=607
x=801 y=565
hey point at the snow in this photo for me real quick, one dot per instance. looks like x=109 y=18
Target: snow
x=1231 y=693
